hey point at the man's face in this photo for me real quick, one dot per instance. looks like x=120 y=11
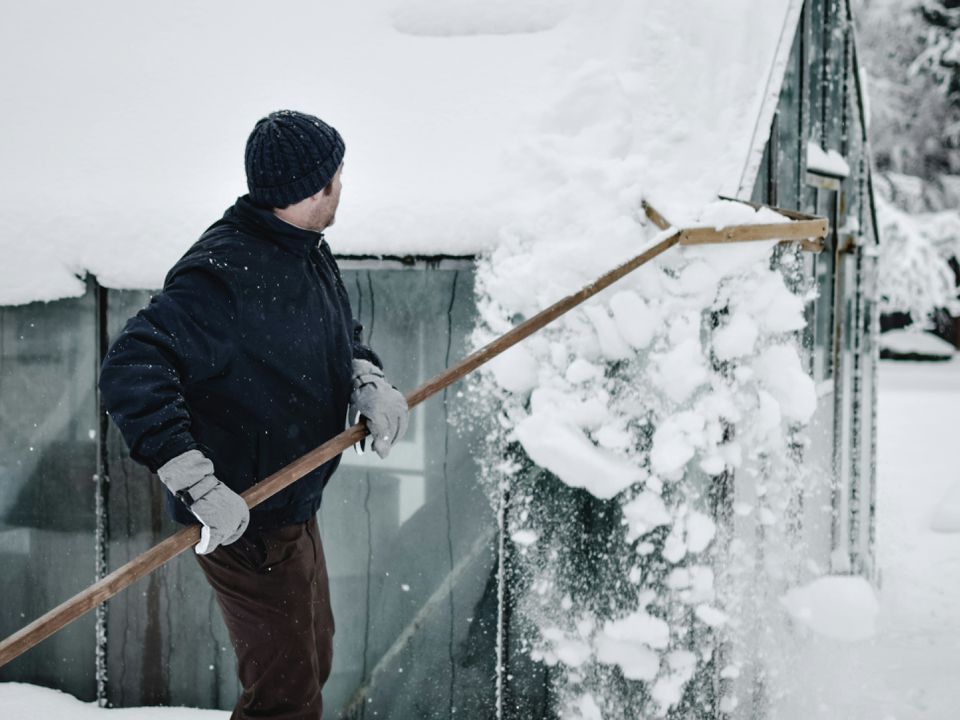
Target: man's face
x=333 y=199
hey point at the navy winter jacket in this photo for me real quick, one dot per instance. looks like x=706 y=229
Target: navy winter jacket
x=245 y=355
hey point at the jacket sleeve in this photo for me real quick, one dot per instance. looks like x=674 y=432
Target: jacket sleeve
x=185 y=335
x=361 y=351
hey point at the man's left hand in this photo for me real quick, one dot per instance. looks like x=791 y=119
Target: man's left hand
x=383 y=406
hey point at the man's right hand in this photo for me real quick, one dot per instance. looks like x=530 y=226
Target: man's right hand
x=222 y=512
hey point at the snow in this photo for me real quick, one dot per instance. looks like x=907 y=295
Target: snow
x=29 y=702
x=630 y=643
x=515 y=370
x=915 y=275
x=636 y=320
x=914 y=341
x=828 y=162
x=778 y=369
x=447 y=149
x=700 y=531
x=837 y=607
x=644 y=513
x=946 y=515
x=908 y=669
x=565 y=451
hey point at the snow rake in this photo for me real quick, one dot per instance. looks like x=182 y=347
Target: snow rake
x=807 y=230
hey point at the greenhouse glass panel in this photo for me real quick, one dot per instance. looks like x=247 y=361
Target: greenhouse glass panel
x=166 y=642
x=48 y=362
x=409 y=541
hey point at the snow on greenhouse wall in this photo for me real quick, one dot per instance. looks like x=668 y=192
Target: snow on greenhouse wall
x=125 y=126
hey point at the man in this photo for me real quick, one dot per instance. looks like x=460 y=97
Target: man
x=247 y=359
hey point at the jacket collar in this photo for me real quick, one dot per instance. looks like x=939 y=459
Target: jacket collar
x=261 y=222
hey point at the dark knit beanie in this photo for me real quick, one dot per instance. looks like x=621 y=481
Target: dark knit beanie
x=291 y=156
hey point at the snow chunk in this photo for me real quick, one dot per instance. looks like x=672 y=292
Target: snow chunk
x=516 y=370
x=841 y=607
x=709 y=615
x=669 y=689
x=912 y=342
x=581 y=370
x=700 y=531
x=583 y=708
x=724 y=213
x=588 y=414
x=644 y=513
x=568 y=454
x=780 y=371
x=525 y=537
x=636 y=321
x=826 y=163
x=737 y=338
x=681 y=370
x=675 y=442
x=612 y=346
x=573 y=653
x=630 y=643
x=776 y=308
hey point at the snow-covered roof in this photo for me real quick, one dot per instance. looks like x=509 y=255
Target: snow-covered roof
x=124 y=123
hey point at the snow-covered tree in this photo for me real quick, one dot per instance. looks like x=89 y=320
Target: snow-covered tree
x=910 y=50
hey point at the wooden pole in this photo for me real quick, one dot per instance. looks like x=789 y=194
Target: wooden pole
x=104 y=589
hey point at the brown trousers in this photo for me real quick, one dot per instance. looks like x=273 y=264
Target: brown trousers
x=272 y=588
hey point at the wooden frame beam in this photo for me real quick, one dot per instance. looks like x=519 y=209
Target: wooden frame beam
x=806 y=230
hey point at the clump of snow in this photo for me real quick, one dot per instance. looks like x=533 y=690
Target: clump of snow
x=630 y=643
x=838 y=607
x=515 y=370
x=644 y=513
x=583 y=708
x=779 y=370
x=525 y=537
x=915 y=343
x=19 y=700
x=569 y=454
x=668 y=690
x=826 y=162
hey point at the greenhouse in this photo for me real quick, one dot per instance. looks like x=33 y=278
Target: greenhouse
x=429 y=577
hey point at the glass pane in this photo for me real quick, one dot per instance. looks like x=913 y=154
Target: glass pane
x=834 y=69
x=47 y=462
x=818 y=38
x=788 y=126
x=166 y=642
x=410 y=540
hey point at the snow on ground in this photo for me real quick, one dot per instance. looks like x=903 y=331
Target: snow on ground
x=19 y=701
x=909 y=670
x=912 y=341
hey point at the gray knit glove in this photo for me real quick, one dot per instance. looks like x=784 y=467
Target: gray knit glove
x=223 y=513
x=380 y=403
